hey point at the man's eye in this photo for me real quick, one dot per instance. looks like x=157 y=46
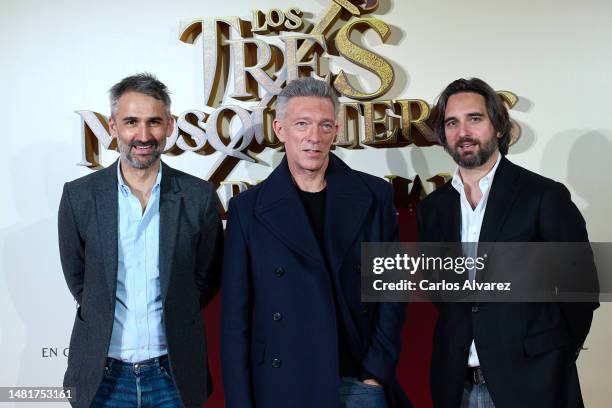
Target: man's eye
x=450 y=123
x=327 y=127
x=301 y=124
x=130 y=122
x=476 y=119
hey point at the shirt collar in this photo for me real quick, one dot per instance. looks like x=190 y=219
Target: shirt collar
x=125 y=189
x=484 y=182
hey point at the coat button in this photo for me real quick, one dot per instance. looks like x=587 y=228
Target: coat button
x=276 y=363
x=475 y=309
x=279 y=272
x=277 y=316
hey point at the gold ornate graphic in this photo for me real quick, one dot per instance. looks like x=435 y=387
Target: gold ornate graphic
x=247 y=63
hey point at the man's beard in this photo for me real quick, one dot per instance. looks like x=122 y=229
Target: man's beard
x=126 y=153
x=473 y=160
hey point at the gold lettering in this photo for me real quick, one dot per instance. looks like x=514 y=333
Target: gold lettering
x=511 y=99
x=371 y=120
x=188 y=124
x=293 y=18
x=94 y=129
x=215 y=130
x=257 y=72
x=262 y=126
x=256 y=22
x=275 y=18
x=364 y=58
x=415 y=112
x=292 y=61
x=228 y=190
x=210 y=29
x=348 y=121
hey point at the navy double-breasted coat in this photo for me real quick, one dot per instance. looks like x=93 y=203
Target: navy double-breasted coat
x=279 y=319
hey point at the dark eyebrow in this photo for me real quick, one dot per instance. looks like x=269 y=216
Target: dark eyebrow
x=134 y=118
x=469 y=115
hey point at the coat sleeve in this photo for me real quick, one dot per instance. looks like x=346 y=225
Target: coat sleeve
x=561 y=221
x=209 y=252
x=236 y=309
x=71 y=246
x=381 y=358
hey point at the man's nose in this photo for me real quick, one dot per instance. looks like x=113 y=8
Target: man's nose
x=463 y=129
x=143 y=132
x=314 y=135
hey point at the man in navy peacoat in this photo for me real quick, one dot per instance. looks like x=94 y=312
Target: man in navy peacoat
x=294 y=331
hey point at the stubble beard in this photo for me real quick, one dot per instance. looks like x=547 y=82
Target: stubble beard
x=473 y=160
x=125 y=150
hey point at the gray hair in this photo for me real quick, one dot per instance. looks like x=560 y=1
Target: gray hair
x=305 y=87
x=144 y=83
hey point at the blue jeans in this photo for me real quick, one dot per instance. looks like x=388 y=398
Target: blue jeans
x=356 y=394
x=146 y=384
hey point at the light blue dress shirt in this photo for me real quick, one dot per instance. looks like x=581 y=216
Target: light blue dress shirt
x=138 y=328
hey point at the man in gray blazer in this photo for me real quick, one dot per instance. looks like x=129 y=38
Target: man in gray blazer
x=140 y=245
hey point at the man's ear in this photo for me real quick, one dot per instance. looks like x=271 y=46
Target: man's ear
x=112 y=127
x=171 y=125
x=278 y=130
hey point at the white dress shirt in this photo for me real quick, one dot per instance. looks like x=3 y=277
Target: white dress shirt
x=471 y=222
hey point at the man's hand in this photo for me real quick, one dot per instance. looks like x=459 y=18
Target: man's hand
x=371 y=381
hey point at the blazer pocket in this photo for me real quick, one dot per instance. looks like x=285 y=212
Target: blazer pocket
x=544 y=342
x=258 y=350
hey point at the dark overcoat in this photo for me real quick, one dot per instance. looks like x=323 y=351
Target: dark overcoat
x=279 y=325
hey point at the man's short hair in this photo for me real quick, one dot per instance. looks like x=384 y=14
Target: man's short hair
x=144 y=83
x=305 y=87
x=497 y=111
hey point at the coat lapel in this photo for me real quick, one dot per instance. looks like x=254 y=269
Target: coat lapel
x=503 y=192
x=449 y=209
x=348 y=204
x=106 y=197
x=169 y=209
x=280 y=209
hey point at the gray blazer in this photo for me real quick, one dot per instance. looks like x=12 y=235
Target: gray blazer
x=191 y=241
